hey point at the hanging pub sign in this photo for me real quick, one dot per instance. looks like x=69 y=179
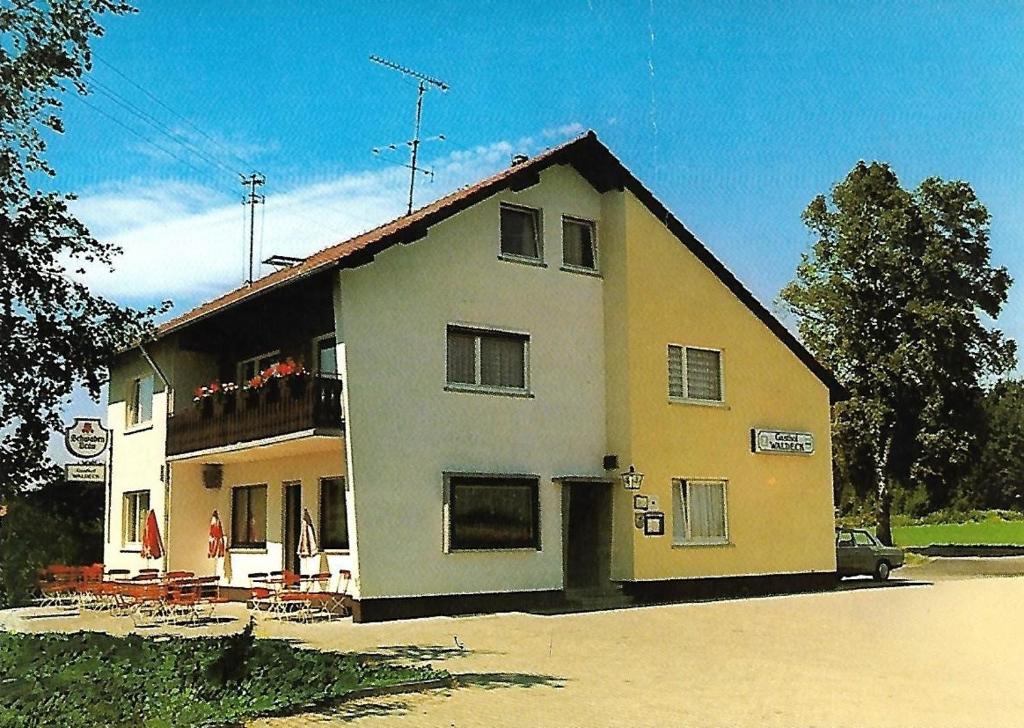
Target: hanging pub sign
x=85 y=472
x=781 y=441
x=86 y=438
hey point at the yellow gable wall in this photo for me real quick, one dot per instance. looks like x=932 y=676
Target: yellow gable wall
x=780 y=511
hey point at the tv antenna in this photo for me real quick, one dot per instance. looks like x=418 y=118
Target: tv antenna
x=252 y=198
x=414 y=144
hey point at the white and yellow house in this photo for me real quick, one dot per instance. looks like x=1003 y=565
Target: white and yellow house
x=479 y=376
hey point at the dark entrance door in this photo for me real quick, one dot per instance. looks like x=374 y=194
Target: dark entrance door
x=292 y=525
x=587 y=512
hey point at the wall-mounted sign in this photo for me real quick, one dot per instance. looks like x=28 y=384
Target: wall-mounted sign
x=86 y=438
x=780 y=441
x=654 y=524
x=640 y=503
x=85 y=472
x=638 y=520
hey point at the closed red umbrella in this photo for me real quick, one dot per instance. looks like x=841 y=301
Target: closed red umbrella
x=218 y=544
x=152 y=545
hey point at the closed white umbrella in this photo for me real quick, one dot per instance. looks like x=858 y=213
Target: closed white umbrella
x=307 y=538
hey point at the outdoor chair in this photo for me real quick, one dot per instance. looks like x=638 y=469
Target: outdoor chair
x=58 y=586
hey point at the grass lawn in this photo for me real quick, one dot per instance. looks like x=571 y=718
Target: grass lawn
x=94 y=679
x=992 y=531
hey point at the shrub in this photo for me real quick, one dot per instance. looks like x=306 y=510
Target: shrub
x=91 y=679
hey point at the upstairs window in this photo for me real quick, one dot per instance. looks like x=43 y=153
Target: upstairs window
x=249 y=516
x=520 y=232
x=486 y=359
x=134 y=511
x=140 y=401
x=249 y=368
x=325 y=354
x=578 y=244
x=694 y=375
x=333 y=517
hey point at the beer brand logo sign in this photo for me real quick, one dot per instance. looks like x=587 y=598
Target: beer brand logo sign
x=86 y=438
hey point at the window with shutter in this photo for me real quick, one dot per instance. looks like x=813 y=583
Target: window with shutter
x=694 y=375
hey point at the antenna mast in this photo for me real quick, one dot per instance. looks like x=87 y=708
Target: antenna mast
x=414 y=143
x=252 y=199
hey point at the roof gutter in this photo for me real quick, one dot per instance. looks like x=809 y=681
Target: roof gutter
x=154 y=366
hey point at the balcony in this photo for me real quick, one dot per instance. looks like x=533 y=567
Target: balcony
x=281 y=407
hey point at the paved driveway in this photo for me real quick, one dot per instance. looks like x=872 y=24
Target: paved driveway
x=946 y=654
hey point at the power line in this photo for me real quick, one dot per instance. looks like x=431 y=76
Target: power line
x=156 y=100
x=141 y=136
x=157 y=125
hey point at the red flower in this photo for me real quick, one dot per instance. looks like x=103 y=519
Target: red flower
x=214 y=386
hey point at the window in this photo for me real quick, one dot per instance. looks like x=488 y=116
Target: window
x=325 y=354
x=134 y=510
x=249 y=516
x=493 y=512
x=844 y=539
x=140 y=401
x=520 y=232
x=699 y=514
x=863 y=538
x=694 y=374
x=578 y=244
x=333 y=518
x=249 y=368
x=486 y=359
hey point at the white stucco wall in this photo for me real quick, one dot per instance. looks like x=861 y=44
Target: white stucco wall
x=405 y=430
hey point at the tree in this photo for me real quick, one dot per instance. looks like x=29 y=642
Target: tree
x=55 y=333
x=996 y=479
x=890 y=298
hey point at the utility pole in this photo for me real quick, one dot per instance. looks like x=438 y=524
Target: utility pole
x=414 y=143
x=252 y=199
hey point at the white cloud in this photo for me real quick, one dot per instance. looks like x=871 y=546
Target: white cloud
x=186 y=241
x=564 y=131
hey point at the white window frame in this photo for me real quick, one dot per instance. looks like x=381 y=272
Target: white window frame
x=687 y=539
x=316 y=350
x=243 y=548
x=593 y=241
x=686 y=399
x=241 y=380
x=538 y=214
x=478 y=329
x=125 y=497
x=133 y=414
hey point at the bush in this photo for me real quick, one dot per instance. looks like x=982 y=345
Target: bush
x=94 y=679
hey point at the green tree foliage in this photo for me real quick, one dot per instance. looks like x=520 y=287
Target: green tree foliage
x=996 y=479
x=55 y=335
x=890 y=297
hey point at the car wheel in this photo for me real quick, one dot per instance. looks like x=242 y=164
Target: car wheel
x=882 y=571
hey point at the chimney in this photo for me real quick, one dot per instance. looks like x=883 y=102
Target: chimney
x=518 y=159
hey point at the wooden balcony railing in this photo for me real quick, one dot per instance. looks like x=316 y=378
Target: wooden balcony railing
x=280 y=407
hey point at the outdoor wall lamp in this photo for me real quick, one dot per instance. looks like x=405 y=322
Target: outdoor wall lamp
x=631 y=479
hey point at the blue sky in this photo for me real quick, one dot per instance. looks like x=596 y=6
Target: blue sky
x=735 y=115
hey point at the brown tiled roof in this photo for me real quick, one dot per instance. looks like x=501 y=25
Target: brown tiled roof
x=591 y=158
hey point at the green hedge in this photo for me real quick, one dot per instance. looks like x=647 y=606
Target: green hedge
x=94 y=679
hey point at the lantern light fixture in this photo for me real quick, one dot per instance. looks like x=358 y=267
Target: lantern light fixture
x=631 y=479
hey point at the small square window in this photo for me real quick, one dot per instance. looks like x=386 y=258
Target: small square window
x=520 y=232
x=694 y=374
x=578 y=244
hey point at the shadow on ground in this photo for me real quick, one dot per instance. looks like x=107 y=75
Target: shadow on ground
x=424 y=653
x=492 y=680
x=869 y=583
